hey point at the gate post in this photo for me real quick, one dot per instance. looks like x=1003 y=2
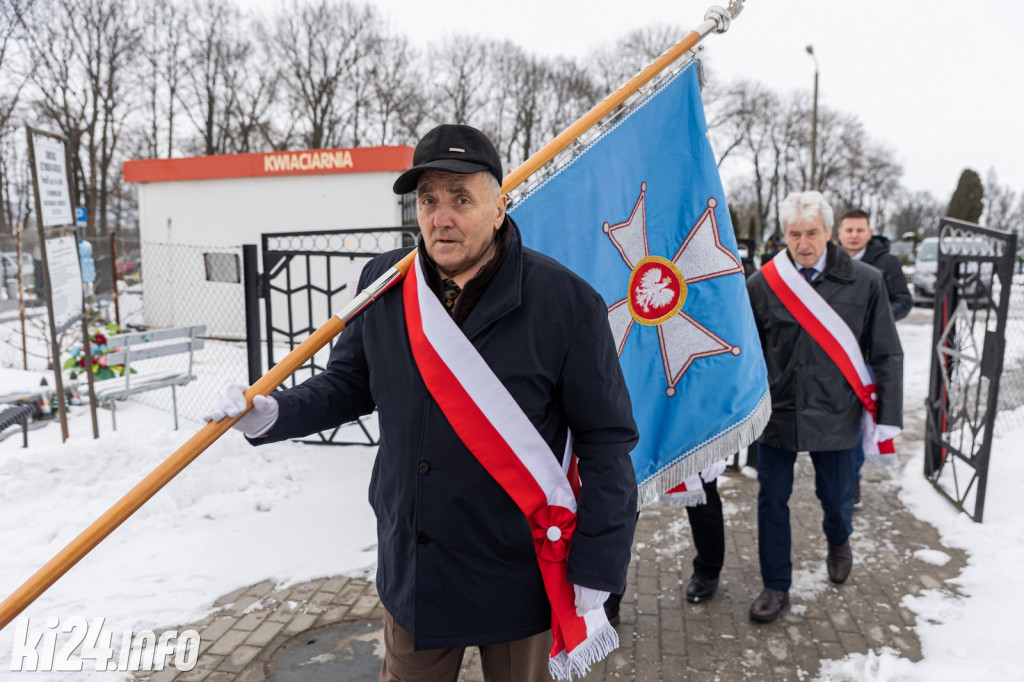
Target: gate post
x=250 y=275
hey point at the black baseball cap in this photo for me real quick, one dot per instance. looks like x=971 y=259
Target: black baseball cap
x=452 y=148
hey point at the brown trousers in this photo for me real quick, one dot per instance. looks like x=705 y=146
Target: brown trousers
x=523 y=660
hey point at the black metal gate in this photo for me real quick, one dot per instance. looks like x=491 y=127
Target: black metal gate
x=972 y=296
x=307 y=277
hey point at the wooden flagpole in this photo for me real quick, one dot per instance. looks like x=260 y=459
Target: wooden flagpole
x=716 y=19
x=87 y=540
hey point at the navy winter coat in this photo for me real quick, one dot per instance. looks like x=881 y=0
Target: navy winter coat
x=456 y=563
x=876 y=254
x=813 y=406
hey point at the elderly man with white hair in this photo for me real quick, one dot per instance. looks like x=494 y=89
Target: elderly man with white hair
x=823 y=320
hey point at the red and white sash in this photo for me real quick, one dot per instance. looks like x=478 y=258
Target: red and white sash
x=690 y=492
x=833 y=334
x=494 y=428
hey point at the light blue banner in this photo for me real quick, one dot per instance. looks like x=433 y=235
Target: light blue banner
x=640 y=214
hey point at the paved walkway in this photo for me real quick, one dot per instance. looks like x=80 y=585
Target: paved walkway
x=330 y=629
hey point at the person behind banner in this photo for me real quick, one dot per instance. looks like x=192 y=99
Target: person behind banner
x=457 y=560
x=699 y=494
x=815 y=407
x=859 y=241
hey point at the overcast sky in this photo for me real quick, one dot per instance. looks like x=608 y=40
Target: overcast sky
x=941 y=83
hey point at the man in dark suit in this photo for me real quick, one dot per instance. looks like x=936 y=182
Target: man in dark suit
x=815 y=408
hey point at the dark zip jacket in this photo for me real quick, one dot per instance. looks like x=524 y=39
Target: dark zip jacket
x=813 y=406
x=876 y=254
x=456 y=563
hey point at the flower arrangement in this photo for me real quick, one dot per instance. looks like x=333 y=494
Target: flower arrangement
x=99 y=349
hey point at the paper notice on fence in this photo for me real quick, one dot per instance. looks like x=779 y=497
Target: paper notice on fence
x=65 y=280
x=52 y=176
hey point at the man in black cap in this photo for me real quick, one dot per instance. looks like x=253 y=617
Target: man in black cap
x=458 y=561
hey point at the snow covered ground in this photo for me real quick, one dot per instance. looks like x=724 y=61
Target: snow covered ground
x=287 y=512
x=974 y=636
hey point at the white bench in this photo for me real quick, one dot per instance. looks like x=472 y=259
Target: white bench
x=138 y=346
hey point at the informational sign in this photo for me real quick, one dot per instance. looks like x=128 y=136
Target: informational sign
x=61 y=268
x=80 y=216
x=65 y=279
x=52 y=176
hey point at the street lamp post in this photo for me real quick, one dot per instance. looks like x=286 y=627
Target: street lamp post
x=814 y=122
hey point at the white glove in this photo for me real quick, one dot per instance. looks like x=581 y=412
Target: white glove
x=884 y=432
x=256 y=422
x=714 y=471
x=588 y=599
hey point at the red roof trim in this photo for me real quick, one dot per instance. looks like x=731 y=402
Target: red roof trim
x=308 y=162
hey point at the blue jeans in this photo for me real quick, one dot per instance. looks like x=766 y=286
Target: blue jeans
x=834 y=485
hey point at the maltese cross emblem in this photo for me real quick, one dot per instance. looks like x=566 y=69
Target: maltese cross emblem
x=658 y=287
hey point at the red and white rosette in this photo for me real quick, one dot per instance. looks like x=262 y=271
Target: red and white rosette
x=494 y=428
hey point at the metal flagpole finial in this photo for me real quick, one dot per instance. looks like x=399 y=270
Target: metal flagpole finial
x=722 y=17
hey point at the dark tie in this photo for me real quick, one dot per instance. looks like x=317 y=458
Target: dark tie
x=808 y=274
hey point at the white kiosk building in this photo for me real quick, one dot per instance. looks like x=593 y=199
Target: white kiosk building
x=192 y=207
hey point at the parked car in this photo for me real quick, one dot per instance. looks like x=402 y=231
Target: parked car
x=9 y=268
x=926 y=268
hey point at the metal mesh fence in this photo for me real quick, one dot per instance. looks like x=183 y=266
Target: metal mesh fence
x=1011 y=384
x=139 y=286
x=164 y=285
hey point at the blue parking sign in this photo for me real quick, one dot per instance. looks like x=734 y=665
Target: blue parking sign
x=79 y=215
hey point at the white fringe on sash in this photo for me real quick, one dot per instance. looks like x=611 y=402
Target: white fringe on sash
x=687 y=498
x=594 y=649
x=720 y=446
x=880 y=460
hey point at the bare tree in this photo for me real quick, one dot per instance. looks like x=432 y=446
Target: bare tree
x=516 y=109
x=258 y=119
x=86 y=50
x=1001 y=205
x=767 y=132
x=612 y=66
x=571 y=93
x=867 y=180
x=163 y=50
x=732 y=113
x=323 y=47
x=397 y=103
x=463 y=87
x=917 y=213
x=218 y=53
x=16 y=67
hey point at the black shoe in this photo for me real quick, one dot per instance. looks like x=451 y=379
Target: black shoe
x=768 y=605
x=839 y=562
x=856 y=495
x=701 y=589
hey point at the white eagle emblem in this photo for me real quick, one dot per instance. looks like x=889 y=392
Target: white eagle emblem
x=658 y=288
x=654 y=290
